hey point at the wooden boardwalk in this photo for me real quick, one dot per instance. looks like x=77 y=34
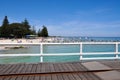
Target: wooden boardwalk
x=51 y=71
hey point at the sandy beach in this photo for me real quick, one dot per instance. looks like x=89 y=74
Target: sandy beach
x=2 y=48
x=38 y=40
x=20 y=41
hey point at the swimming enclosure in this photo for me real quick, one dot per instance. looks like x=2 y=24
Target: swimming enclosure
x=60 y=52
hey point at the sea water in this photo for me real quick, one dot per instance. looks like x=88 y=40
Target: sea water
x=21 y=59
x=58 y=49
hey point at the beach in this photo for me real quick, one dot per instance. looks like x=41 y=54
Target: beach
x=2 y=48
x=20 y=41
x=27 y=41
x=37 y=40
x=5 y=47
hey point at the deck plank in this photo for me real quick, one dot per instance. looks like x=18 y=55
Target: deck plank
x=42 y=77
x=60 y=77
x=13 y=71
x=6 y=69
x=80 y=67
x=31 y=78
x=93 y=76
x=76 y=77
x=48 y=77
x=10 y=71
x=65 y=77
x=50 y=71
x=70 y=76
x=19 y=78
x=38 y=68
x=82 y=76
x=74 y=67
x=57 y=69
x=20 y=68
x=34 y=68
x=25 y=78
x=47 y=68
x=60 y=67
x=64 y=67
x=54 y=77
x=37 y=78
x=13 y=78
x=23 y=70
x=7 y=78
x=69 y=67
x=28 y=70
x=2 y=67
x=43 y=67
x=87 y=75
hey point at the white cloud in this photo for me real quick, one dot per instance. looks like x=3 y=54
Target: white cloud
x=93 y=11
x=76 y=28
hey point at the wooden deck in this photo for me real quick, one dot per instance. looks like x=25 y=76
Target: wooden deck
x=51 y=71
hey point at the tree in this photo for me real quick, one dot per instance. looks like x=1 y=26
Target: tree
x=0 y=31
x=4 y=28
x=17 y=30
x=33 y=31
x=5 y=22
x=44 y=32
x=39 y=33
x=26 y=25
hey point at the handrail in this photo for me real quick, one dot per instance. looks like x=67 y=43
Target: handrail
x=81 y=53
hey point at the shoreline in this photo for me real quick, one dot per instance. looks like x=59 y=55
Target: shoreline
x=48 y=40
x=2 y=48
x=37 y=40
x=20 y=41
x=11 y=47
x=60 y=40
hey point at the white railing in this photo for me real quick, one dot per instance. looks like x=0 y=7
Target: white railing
x=81 y=53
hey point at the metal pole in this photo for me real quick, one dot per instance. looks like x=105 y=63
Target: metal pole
x=80 y=51
x=41 y=52
x=116 y=52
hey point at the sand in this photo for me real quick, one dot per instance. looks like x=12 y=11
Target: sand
x=2 y=48
x=38 y=40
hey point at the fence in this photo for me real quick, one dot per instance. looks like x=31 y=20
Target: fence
x=81 y=53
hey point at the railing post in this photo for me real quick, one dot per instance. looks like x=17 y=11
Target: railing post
x=116 y=51
x=41 y=52
x=81 y=51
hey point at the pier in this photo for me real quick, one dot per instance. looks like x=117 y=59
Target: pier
x=61 y=71
x=92 y=69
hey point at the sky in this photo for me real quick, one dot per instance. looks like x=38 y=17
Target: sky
x=95 y=18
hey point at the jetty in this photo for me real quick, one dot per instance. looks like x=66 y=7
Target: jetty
x=89 y=70
x=108 y=68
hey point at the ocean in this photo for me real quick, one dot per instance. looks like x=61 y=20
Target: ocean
x=63 y=48
x=95 y=39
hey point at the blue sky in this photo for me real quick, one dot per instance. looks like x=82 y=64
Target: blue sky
x=66 y=17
